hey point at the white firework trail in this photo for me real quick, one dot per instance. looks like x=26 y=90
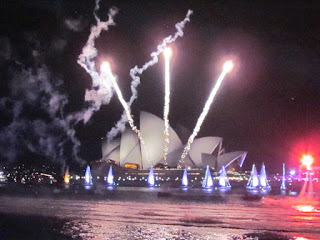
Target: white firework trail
x=167 y=56
x=89 y=52
x=227 y=67
x=136 y=70
x=106 y=74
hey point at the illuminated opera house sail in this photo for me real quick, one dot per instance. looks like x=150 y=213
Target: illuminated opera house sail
x=127 y=151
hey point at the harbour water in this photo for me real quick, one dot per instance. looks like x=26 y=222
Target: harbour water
x=144 y=213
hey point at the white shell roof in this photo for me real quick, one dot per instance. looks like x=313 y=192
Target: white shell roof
x=174 y=157
x=108 y=147
x=152 y=132
x=203 y=145
x=227 y=158
x=129 y=148
x=208 y=160
x=114 y=155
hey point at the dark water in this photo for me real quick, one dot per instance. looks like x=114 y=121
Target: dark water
x=14 y=226
x=141 y=213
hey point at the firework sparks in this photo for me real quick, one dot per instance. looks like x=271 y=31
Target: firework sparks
x=134 y=72
x=227 y=67
x=167 y=56
x=106 y=72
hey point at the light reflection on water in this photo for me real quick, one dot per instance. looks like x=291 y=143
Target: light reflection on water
x=185 y=189
x=293 y=193
x=110 y=187
x=264 y=191
x=224 y=189
x=307 y=218
x=137 y=207
x=207 y=190
x=88 y=187
x=305 y=208
x=253 y=191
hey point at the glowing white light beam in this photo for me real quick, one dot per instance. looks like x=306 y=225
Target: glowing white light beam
x=134 y=72
x=227 y=67
x=106 y=72
x=167 y=55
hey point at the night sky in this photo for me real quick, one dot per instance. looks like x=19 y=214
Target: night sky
x=268 y=106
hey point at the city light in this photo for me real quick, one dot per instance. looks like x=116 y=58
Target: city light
x=67 y=179
x=66 y=176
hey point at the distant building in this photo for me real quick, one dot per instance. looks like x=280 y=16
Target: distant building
x=127 y=151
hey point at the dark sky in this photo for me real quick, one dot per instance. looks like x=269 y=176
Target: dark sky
x=268 y=106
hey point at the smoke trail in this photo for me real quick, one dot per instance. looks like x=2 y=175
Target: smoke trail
x=33 y=108
x=120 y=125
x=75 y=25
x=226 y=68
x=101 y=93
x=47 y=133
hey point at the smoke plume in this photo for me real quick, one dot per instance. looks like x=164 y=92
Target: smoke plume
x=101 y=91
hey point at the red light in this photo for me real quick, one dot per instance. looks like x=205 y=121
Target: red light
x=307 y=161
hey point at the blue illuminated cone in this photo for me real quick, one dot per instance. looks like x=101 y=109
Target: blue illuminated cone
x=185 y=178
x=110 y=179
x=264 y=184
x=207 y=182
x=253 y=182
x=151 y=179
x=88 y=176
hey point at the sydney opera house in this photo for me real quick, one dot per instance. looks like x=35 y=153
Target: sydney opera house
x=128 y=153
